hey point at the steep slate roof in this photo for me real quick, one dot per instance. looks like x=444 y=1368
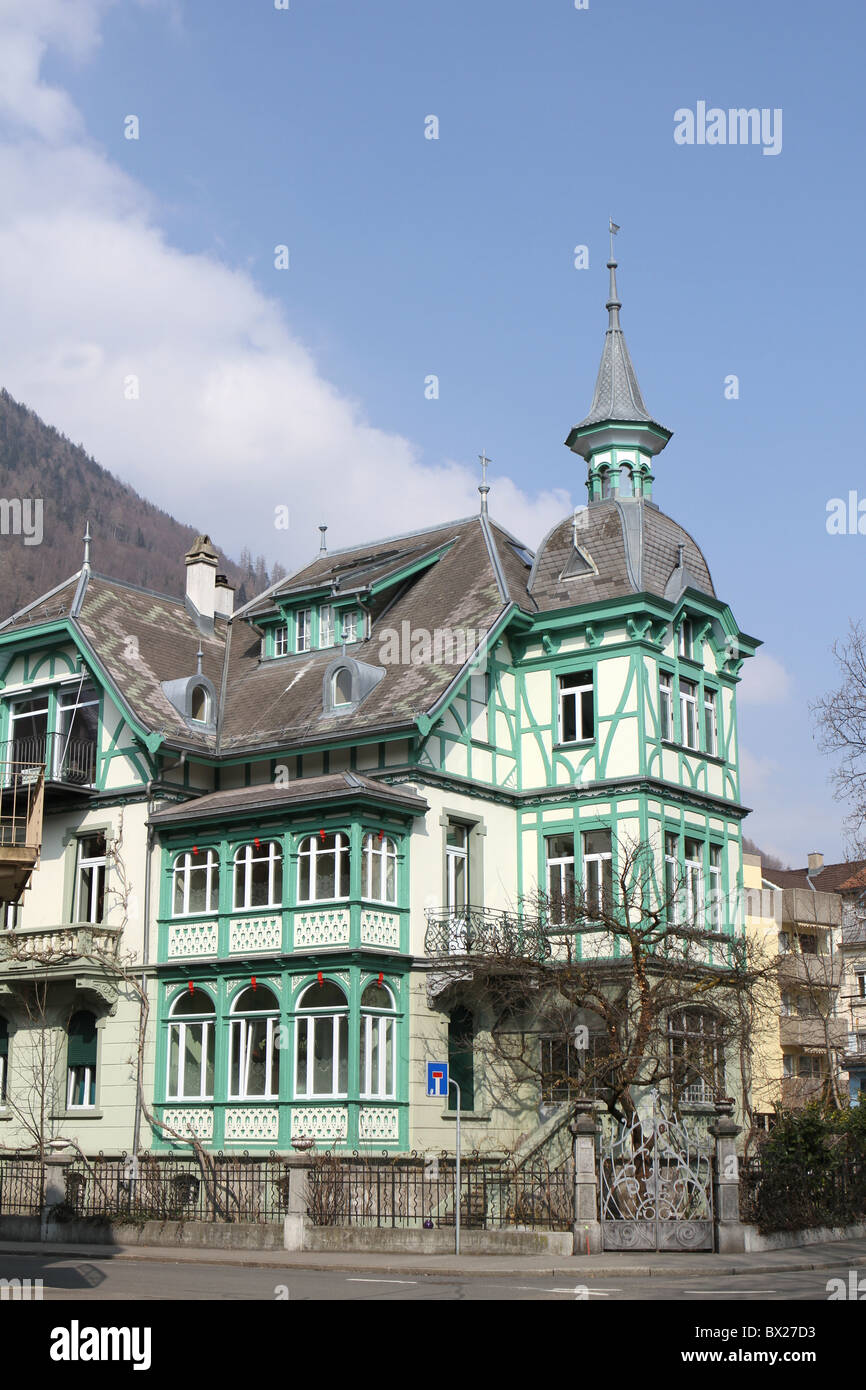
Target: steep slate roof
x=341 y=786
x=280 y=701
x=634 y=546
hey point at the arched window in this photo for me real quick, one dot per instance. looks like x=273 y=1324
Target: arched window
x=626 y=480
x=196 y=882
x=380 y=869
x=199 y=704
x=378 y=1043
x=254 y=1057
x=604 y=479
x=697 y=1056
x=4 y=1058
x=322 y=1041
x=323 y=868
x=191 y=1047
x=341 y=687
x=258 y=876
x=81 y=1061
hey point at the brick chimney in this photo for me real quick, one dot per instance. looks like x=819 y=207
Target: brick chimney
x=201 y=564
x=816 y=863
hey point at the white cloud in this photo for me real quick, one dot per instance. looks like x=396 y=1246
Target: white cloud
x=233 y=418
x=765 y=681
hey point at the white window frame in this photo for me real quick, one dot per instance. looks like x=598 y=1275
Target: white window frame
x=711 y=723
x=241 y=1039
x=326 y=625
x=557 y=870
x=689 y=714
x=693 y=882
x=384 y=1023
x=303 y=629
x=686 y=640
x=311 y=849
x=673 y=887
x=666 y=706
x=715 y=905
x=600 y=858
x=270 y=852
x=583 y=683
x=73 y=1075
x=379 y=856
x=211 y=863
x=349 y=625
x=68 y=700
x=307 y=1018
x=281 y=640
x=206 y=1022
x=98 y=885
x=454 y=855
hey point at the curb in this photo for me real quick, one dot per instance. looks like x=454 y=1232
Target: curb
x=268 y=1259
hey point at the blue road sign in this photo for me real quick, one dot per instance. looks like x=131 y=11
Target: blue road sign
x=437 y=1078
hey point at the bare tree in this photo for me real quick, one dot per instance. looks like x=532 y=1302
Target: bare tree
x=841 y=730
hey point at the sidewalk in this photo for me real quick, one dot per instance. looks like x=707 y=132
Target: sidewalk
x=833 y=1255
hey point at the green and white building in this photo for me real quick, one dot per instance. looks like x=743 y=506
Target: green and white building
x=276 y=822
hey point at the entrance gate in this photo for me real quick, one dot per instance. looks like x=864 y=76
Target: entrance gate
x=655 y=1187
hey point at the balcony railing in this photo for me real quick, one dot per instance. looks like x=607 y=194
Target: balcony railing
x=809 y=1031
x=822 y=971
x=484 y=931
x=68 y=761
x=21 y=802
x=54 y=945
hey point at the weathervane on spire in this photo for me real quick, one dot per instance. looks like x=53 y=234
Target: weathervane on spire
x=484 y=487
x=613 y=305
x=613 y=231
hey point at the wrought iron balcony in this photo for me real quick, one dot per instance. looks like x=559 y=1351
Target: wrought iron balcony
x=69 y=762
x=485 y=932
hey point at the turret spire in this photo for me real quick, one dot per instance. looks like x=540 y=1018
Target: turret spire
x=618 y=419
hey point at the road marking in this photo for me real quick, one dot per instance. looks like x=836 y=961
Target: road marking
x=727 y=1292
x=381 y=1281
x=591 y=1293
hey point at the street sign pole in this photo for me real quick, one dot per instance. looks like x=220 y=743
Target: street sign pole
x=452 y=1082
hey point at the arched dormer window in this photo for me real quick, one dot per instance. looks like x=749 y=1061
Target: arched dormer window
x=341 y=686
x=199 y=705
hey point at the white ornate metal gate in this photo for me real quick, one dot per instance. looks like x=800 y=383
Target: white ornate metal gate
x=655 y=1186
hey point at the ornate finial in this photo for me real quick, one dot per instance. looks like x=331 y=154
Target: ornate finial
x=87 y=539
x=484 y=487
x=613 y=304
x=323 y=549
x=199 y=658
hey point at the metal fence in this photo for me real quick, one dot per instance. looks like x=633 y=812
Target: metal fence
x=778 y=1196
x=403 y=1192
x=22 y=1186
x=161 y=1189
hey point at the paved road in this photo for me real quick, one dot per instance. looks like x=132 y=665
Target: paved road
x=72 y=1278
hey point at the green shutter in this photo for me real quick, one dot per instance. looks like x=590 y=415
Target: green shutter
x=81 y=1045
x=461 y=1061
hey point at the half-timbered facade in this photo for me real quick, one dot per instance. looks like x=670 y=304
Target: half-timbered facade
x=276 y=824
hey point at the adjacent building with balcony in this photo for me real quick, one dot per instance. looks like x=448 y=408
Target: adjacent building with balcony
x=276 y=827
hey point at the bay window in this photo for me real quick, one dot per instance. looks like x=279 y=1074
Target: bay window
x=666 y=705
x=196 y=878
x=696 y=1055
x=597 y=872
x=559 y=851
x=191 y=1047
x=693 y=881
x=323 y=868
x=258 y=875
x=380 y=869
x=322 y=1041
x=689 y=714
x=254 y=1057
x=715 y=887
x=378 y=1043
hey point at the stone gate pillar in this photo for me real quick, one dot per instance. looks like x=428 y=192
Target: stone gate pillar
x=295 y=1219
x=730 y=1237
x=586 y=1228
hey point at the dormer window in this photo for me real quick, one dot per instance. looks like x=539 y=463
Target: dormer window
x=326 y=626
x=303 y=629
x=199 y=708
x=341 y=686
x=281 y=640
x=349 y=622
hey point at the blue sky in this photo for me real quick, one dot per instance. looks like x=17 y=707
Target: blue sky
x=408 y=257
